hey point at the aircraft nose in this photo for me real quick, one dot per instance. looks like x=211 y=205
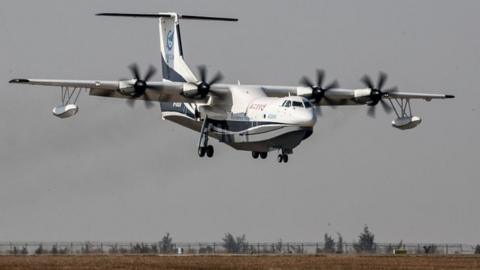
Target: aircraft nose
x=308 y=118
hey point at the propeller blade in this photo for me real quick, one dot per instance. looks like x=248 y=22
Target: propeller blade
x=329 y=102
x=218 y=78
x=154 y=87
x=368 y=82
x=148 y=104
x=386 y=107
x=391 y=90
x=306 y=82
x=147 y=97
x=318 y=110
x=371 y=111
x=381 y=80
x=333 y=85
x=131 y=102
x=320 y=77
x=149 y=101
x=135 y=71
x=202 y=70
x=150 y=73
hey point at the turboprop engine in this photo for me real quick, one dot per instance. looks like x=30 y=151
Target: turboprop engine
x=201 y=88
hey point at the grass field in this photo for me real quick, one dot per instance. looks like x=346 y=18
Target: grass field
x=238 y=262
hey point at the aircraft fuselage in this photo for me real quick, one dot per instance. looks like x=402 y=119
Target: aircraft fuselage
x=264 y=124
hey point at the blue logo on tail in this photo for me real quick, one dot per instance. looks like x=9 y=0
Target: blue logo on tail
x=170 y=40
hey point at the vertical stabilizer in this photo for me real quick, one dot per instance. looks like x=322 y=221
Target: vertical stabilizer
x=173 y=64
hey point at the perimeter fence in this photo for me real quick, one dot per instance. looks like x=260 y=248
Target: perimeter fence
x=218 y=248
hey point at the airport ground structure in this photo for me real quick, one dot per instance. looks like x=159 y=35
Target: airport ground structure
x=219 y=248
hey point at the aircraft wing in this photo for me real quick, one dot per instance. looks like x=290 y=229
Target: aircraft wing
x=427 y=97
x=164 y=91
x=338 y=96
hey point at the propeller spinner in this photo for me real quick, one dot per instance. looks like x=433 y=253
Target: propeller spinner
x=377 y=93
x=141 y=85
x=318 y=90
x=204 y=86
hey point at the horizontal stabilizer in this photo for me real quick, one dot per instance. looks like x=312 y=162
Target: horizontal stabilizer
x=185 y=17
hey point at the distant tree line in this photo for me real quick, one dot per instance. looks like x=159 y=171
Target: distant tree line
x=234 y=245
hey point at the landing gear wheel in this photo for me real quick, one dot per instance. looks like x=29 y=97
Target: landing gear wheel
x=264 y=155
x=210 y=151
x=255 y=155
x=285 y=158
x=201 y=151
x=280 y=158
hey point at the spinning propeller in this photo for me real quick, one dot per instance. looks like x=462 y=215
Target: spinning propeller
x=204 y=85
x=141 y=85
x=377 y=93
x=318 y=90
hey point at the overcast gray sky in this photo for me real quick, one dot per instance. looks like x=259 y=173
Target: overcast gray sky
x=121 y=174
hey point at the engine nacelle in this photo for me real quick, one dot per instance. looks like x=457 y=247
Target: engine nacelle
x=126 y=88
x=404 y=123
x=190 y=90
x=65 y=111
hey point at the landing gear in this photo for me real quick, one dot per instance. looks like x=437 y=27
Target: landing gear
x=262 y=155
x=282 y=158
x=283 y=155
x=201 y=151
x=203 y=147
x=210 y=151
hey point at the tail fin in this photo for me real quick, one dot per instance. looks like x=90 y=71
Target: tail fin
x=173 y=63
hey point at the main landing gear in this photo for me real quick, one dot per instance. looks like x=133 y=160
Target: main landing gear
x=203 y=147
x=283 y=157
x=262 y=155
x=209 y=151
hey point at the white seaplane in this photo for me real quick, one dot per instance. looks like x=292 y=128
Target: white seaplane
x=255 y=118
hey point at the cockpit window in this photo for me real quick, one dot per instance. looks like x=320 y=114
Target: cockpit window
x=288 y=104
x=307 y=104
x=297 y=104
